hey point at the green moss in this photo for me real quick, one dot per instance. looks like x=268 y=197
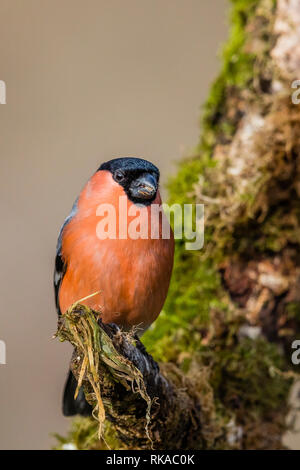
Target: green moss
x=293 y=311
x=236 y=72
x=83 y=434
x=187 y=309
x=180 y=186
x=239 y=372
x=237 y=63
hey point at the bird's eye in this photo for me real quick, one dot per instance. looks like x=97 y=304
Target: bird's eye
x=119 y=176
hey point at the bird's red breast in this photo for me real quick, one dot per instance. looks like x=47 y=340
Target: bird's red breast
x=132 y=275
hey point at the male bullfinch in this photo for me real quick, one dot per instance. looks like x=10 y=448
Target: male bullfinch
x=131 y=274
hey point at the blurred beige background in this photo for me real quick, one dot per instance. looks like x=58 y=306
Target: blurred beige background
x=86 y=81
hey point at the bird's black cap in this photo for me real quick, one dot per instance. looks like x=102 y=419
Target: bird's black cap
x=129 y=164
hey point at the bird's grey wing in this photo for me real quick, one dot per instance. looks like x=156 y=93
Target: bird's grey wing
x=60 y=265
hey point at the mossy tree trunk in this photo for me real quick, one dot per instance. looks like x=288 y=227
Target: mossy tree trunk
x=233 y=309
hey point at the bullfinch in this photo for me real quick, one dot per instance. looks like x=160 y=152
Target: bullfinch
x=128 y=270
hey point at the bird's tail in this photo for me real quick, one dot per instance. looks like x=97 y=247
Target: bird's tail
x=71 y=406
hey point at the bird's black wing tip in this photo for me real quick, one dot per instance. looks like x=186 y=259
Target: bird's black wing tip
x=72 y=407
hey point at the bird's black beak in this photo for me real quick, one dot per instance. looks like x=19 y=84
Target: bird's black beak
x=144 y=187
